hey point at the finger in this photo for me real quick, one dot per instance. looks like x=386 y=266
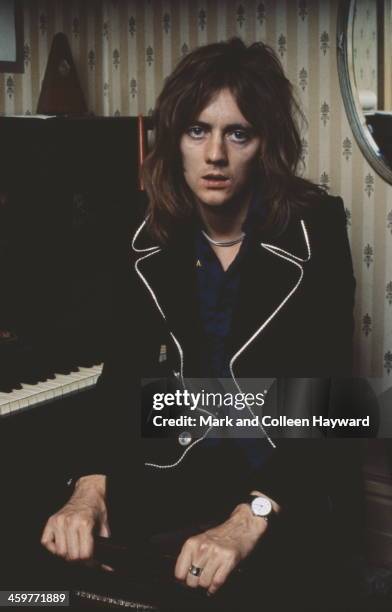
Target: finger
x=60 y=542
x=94 y=564
x=53 y=538
x=182 y=565
x=72 y=540
x=184 y=561
x=209 y=572
x=191 y=580
x=104 y=530
x=199 y=561
x=51 y=547
x=48 y=540
x=220 y=577
x=107 y=568
x=86 y=542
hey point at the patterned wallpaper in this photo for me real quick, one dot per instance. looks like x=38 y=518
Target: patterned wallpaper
x=123 y=49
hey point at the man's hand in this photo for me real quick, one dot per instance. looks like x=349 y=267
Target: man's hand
x=218 y=550
x=69 y=532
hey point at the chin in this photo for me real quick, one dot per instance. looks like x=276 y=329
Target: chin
x=214 y=203
x=214 y=199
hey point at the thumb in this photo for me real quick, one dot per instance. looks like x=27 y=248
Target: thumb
x=104 y=530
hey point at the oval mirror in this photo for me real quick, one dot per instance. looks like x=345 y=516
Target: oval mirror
x=364 y=39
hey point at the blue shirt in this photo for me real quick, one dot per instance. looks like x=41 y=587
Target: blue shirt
x=218 y=292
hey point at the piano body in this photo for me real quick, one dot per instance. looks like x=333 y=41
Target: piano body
x=67 y=197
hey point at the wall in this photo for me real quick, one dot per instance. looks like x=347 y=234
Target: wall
x=123 y=50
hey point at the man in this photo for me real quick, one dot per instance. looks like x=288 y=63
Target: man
x=241 y=269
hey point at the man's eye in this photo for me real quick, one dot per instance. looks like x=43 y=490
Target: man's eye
x=195 y=131
x=239 y=136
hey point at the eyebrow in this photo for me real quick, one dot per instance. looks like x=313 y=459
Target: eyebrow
x=229 y=126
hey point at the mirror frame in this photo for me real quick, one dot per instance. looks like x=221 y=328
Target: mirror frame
x=354 y=112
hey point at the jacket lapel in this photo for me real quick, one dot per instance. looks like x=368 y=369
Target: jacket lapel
x=271 y=275
x=170 y=277
x=266 y=284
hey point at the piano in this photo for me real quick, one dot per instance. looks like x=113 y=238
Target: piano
x=58 y=386
x=68 y=193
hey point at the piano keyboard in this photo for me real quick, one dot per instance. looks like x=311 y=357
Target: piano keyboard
x=62 y=384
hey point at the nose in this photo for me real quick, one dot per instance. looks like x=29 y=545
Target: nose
x=216 y=153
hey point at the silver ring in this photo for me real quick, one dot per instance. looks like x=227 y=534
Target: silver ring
x=195 y=571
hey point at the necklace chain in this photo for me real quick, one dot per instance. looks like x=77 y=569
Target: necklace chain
x=224 y=243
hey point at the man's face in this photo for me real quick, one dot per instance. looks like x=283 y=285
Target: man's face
x=219 y=150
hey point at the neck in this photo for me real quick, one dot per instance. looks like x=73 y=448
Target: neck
x=225 y=222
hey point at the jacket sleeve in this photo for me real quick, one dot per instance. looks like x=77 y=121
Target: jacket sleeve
x=114 y=425
x=112 y=422
x=315 y=478
x=335 y=283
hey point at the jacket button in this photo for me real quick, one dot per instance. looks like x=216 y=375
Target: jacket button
x=185 y=438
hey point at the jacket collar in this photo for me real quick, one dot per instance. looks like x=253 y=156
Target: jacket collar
x=293 y=241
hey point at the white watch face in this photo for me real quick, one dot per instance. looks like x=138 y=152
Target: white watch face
x=261 y=506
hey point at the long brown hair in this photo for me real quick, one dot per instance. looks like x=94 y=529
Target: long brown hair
x=255 y=77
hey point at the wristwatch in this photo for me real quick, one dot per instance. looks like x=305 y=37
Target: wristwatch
x=260 y=506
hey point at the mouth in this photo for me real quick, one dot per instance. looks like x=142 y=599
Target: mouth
x=215 y=177
x=215 y=181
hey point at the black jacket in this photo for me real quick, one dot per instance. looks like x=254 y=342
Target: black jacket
x=294 y=319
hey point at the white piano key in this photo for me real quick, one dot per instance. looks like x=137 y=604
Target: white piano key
x=5 y=403
x=39 y=391
x=20 y=396
x=4 y=397
x=62 y=384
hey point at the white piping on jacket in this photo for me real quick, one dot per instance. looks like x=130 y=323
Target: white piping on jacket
x=178 y=345
x=277 y=250
x=173 y=465
x=153 y=251
x=294 y=260
x=290 y=257
x=139 y=229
